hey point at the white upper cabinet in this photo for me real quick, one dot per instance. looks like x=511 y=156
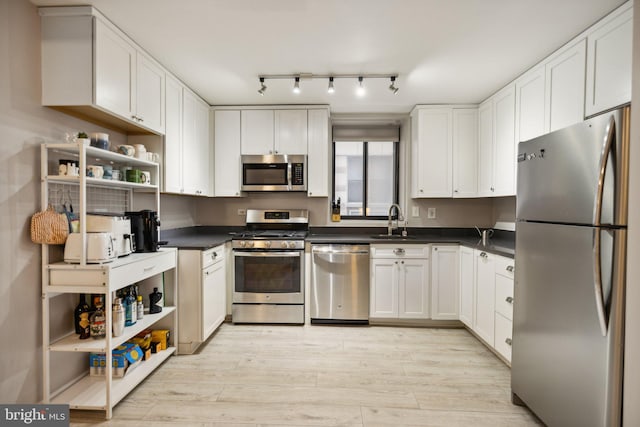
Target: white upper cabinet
x=318 y=151
x=173 y=137
x=609 y=61
x=257 y=132
x=150 y=93
x=530 y=106
x=227 y=153
x=431 y=152
x=485 y=148
x=564 y=93
x=465 y=152
x=504 y=154
x=115 y=72
x=93 y=70
x=290 y=132
x=196 y=148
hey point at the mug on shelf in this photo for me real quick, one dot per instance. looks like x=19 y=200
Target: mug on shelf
x=127 y=150
x=145 y=177
x=100 y=140
x=115 y=174
x=132 y=175
x=68 y=167
x=95 y=171
x=153 y=157
x=141 y=151
x=108 y=172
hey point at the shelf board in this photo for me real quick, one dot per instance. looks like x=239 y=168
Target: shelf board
x=90 y=392
x=100 y=154
x=72 y=343
x=99 y=182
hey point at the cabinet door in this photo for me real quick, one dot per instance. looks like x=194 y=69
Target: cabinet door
x=504 y=333
x=318 y=150
x=384 y=288
x=465 y=152
x=150 y=85
x=290 y=132
x=227 y=153
x=173 y=137
x=413 y=289
x=444 y=283
x=114 y=71
x=467 y=285
x=257 y=132
x=530 y=105
x=485 y=148
x=609 y=64
x=504 y=151
x=195 y=149
x=485 y=297
x=432 y=152
x=564 y=87
x=213 y=298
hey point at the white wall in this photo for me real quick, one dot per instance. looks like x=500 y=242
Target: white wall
x=631 y=409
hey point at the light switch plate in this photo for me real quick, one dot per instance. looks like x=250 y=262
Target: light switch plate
x=431 y=213
x=242 y=212
x=415 y=211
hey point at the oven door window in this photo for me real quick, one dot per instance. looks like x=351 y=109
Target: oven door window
x=264 y=174
x=268 y=272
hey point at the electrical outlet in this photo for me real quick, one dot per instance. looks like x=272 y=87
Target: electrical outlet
x=431 y=213
x=415 y=211
x=242 y=212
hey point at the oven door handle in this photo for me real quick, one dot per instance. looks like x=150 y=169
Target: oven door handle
x=290 y=254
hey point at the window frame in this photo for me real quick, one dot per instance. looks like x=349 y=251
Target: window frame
x=365 y=185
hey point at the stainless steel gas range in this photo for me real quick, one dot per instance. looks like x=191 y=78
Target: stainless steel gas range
x=268 y=261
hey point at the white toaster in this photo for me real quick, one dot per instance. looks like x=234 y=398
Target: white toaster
x=118 y=225
x=100 y=248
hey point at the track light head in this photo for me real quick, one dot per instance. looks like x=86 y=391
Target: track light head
x=296 y=86
x=331 y=89
x=263 y=87
x=360 y=91
x=392 y=86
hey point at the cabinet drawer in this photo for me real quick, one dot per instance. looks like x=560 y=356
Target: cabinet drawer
x=400 y=251
x=213 y=255
x=503 y=336
x=505 y=266
x=504 y=296
x=150 y=266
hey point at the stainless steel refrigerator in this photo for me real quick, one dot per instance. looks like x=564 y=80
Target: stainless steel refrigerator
x=570 y=257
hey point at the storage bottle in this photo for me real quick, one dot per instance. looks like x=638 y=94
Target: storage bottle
x=140 y=308
x=118 y=318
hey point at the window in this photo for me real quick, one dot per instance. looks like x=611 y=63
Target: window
x=365 y=178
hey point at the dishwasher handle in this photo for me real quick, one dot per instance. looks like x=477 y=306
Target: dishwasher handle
x=328 y=250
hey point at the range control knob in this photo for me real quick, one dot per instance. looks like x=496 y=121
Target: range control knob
x=267 y=244
x=242 y=243
x=283 y=244
x=250 y=244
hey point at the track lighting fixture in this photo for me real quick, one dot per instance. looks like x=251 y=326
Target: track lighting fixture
x=263 y=87
x=331 y=89
x=392 y=86
x=360 y=90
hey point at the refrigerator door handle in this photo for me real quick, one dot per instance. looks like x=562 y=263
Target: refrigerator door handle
x=604 y=157
x=597 y=255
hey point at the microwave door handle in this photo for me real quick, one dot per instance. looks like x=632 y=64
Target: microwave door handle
x=289 y=176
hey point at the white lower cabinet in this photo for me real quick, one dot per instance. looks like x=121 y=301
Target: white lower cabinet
x=504 y=270
x=203 y=291
x=483 y=324
x=399 y=282
x=467 y=285
x=444 y=282
x=503 y=335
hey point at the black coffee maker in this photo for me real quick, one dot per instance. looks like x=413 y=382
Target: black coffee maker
x=144 y=227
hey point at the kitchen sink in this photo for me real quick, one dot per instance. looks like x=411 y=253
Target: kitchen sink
x=392 y=237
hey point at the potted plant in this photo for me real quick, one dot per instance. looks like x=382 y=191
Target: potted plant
x=83 y=138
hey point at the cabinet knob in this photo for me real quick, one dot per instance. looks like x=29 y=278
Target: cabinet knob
x=510 y=268
x=270 y=151
x=401 y=262
x=236 y=193
x=455 y=191
x=492 y=189
x=483 y=254
x=396 y=262
x=508 y=341
x=421 y=190
x=509 y=300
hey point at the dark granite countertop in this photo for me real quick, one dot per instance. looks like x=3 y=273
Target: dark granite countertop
x=206 y=237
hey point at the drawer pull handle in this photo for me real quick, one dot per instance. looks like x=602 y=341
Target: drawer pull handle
x=509 y=300
x=483 y=254
x=398 y=251
x=149 y=268
x=510 y=268
x=508 y=341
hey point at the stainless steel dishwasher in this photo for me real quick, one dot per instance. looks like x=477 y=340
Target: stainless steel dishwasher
x=340 y=284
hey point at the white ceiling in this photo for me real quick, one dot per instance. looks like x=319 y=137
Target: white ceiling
x=455 y=51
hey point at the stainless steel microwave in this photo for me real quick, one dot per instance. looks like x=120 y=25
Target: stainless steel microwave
x=278 y=172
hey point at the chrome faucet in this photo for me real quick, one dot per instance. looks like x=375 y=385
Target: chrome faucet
x=399 y=218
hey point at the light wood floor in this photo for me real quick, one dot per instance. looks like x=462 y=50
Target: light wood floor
x=249 y=375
